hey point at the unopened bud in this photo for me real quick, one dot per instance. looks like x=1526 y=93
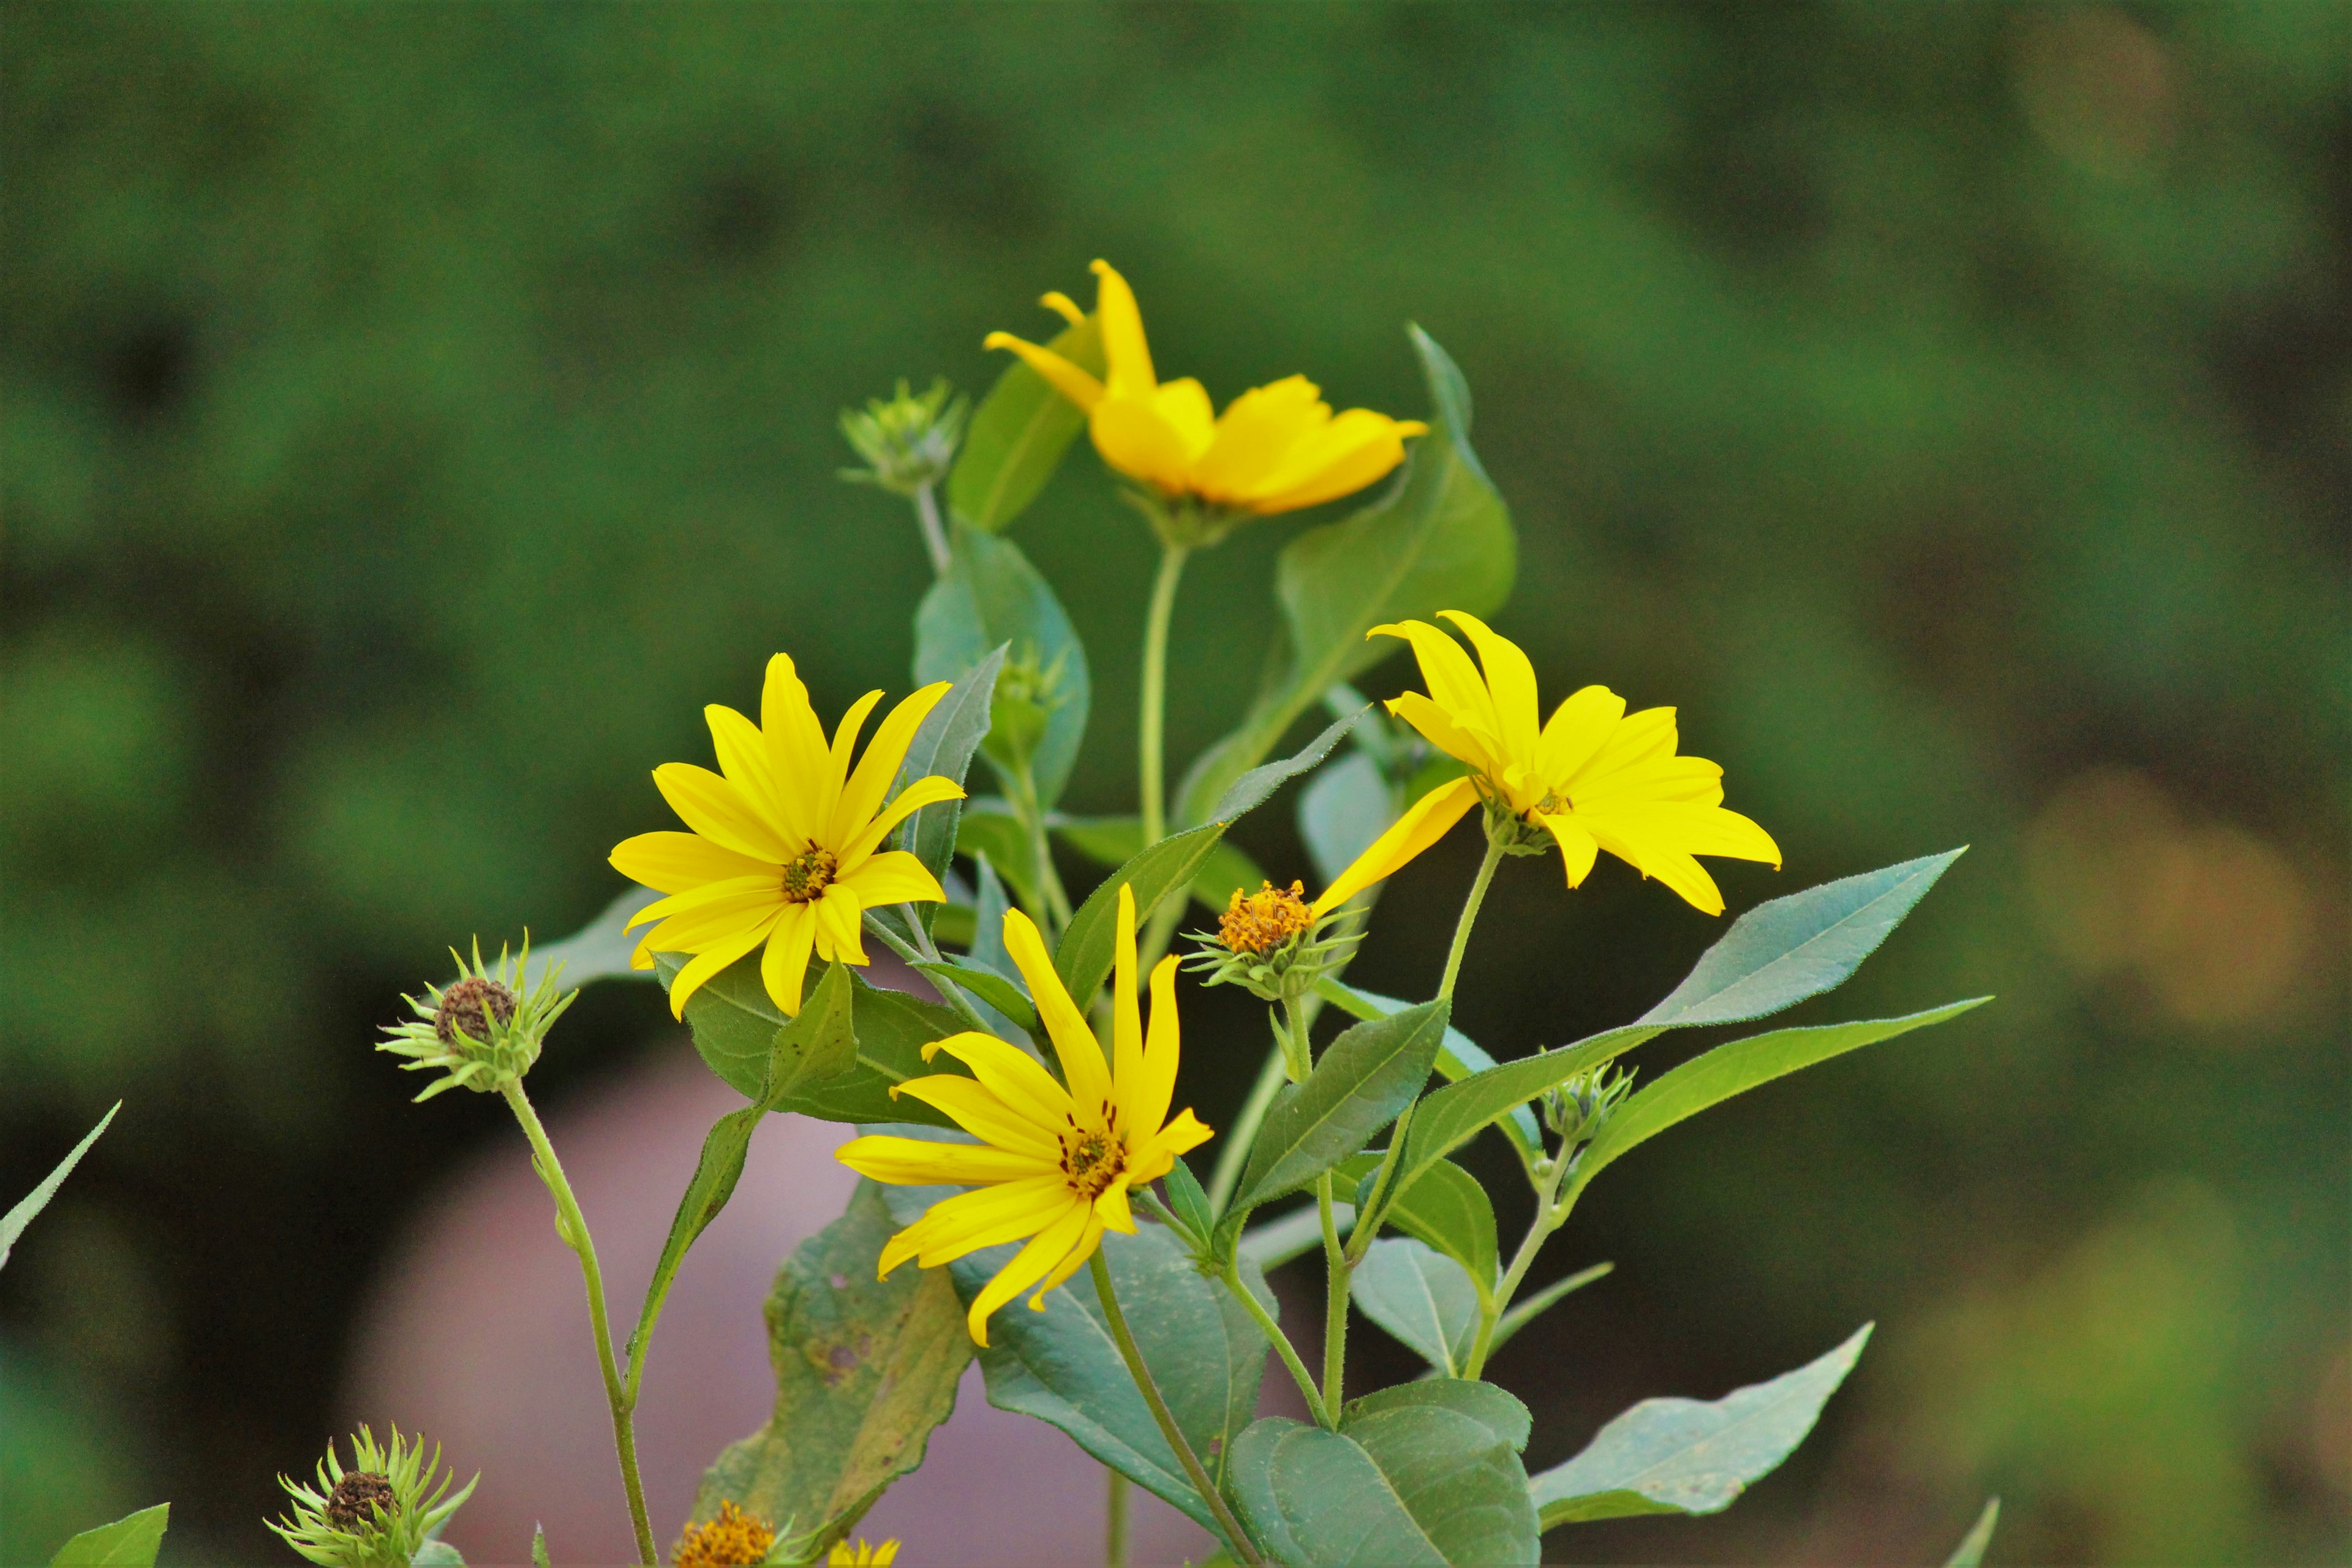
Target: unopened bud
x=485 y=1029
x=907 y=442
x=1266 y=943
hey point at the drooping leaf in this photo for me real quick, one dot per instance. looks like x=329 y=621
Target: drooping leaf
x=1459 y=1057
x=1062 y=1366
x=1970 y=1552
x=1424 y=1298
x=735 y=1024
x=13 y=1222
x=130 y=1541
x=1018 y=434
x=597 y=950
x=1425 y=1474
x=1362 y=1080
x=1445 y=1206
x=1115 y=840
x=1681 y=1455
x=1438 y=539
x=1084 y=956
x=1787 y=949
x=991 y=595
x=1005 y=995
x=864 y=1369
x=1249 y=791
x=1525 y=1310
x=944 y=744
x=1735 y=1069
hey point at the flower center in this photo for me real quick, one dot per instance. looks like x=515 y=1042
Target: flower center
x=809 y=873
x=1264 y=920
x=1551 y=805
x=1092 y=1161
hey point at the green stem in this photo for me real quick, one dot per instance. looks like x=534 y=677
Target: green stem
x=1244 y=1131
x=1550 y=1214
x=1210 y=1497
x=1280 y=1342
x=949 y=992
x=1021 y=787
x=935 y=537
x=575 y=1235
x=1469 y=917
x=1155 y=690
x=1115 y=1522
x=1338 y=1271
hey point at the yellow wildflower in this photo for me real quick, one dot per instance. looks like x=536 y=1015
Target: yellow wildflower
x=786 y=847
x=733 y=1540
x=1054 y=1163
x=1594 y=776
x=867 y=1555
x=1275 y=448
x=1261 y=922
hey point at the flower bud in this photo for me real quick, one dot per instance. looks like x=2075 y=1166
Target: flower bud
x=1028 y=694
x=732 y=1539
x=485 y=1029
x=1577 y=1109
x=907 y=442
x=1267 y=942
x=377 y=1514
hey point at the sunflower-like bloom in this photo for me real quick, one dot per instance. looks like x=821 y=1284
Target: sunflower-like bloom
x=1054 y=1163
x=1593 y=776
x=786 y=847
x=866 y=1554
x=1275 y=448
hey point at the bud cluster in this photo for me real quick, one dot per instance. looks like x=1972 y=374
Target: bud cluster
x=485 y=1029
x=1577 y=1109
x=907 y=442
x=1269 y=944
x=376 y=1514
x=1028 y=693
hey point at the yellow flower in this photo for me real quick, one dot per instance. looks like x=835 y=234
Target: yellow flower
x=732 y=1540
x=1594 y=778
x=1275 y=448
x=786 y=847
x=867 y=1555
x=1054 y=1163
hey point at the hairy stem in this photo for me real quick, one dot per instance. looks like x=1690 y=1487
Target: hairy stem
x=1021 y=788
x=1214 y=1500
x=935 y=536
x=1338 y=1271
x=1155 y=692
x=1469 y=917
x=575 y=1235
x=1550 y=1214
x=1279 y=1341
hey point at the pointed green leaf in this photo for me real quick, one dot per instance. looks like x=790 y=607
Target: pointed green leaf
x=864 y=1369
x=1424 y=1298
x=992 y=596
x=1249 y=791
x=1084 y=957
x=600 y=950
x=1787 y=949
x=944 y=744
x=1438 y=539
x=1731 y=1070
x=1115 y=840
x=1459 y=1057
x=987 y=830
x=1680 y=1455
x=13 y=1222
x=539 y=1558
x=1018 y=434
x=1971 y=1552
x=1189 y=1199
x=1364 y=1079
x=129 y=1542
x=1445 y=1206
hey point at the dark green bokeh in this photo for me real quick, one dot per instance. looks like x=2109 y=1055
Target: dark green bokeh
x=414 y=414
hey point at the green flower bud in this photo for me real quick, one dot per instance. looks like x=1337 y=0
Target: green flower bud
x=377 y=1514
x=907 y=442
x=1577 y=1109
x=1027 y=696
x=484 y=1030
x=1269 y=943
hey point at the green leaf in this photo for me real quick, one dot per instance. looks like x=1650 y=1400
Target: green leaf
x=1680 y=1455
x=1459 y=1057
x=1115 y=840
x=598 y=951
x=987 y=830
x=1438 y=539
x=1422 y=1475
x=991 y=595
x=1084 y=956
x=864 y=1369
x=1249 y=791
x=1787 y=949
x=1424 y=1298
x=735 y=1024
x=435 y=1553
x=1444 y=1206
x=13 y=1222
x=539 y=1558
x=1062 y=1366
x=1189 y=1199
x=1018 y=434
x=1971 y=1552
x=1735 y=1069
x=1364 y=1078
x=943 y=744
x=129 y=1542
x=1003 y=994
x=1526 y=1312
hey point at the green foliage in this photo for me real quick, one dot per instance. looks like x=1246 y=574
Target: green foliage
x=1423 y=1473
x=13 y=1222
x=601 y=950
x=1018 y=435
x=1084 y=956
x=1440 y=539
x=991 y=597
x=1444 y=1205
x=1970 y=1552
x=1424 y=1298
x=129 y=1542
x=943 y=744
x=864 y=1369
x=998 y=990
x=1115 y=840
x=1679 y=1456
x=1358 y=1084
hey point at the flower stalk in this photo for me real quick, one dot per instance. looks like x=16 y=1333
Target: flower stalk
x=1150 y=740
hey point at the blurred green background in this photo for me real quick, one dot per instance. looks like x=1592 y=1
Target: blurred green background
x=413 y=415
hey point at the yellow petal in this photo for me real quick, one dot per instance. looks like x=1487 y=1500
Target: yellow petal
x=716 y=810
x=840 y=922
x=1647 y=736
x=1184 y=404
x=743 y=760
x=1256 y=433
x=1424 y=824
x=1353 y=450
x=1576 y=729
x=1125 y=353
x=1688 y=829
x=1146 y=1105
x=894 y=877
x=928 y=790
x=1439 y=729
x=1014 y=1076
x=783 y=968
x=672 y=862
x=711 y=962
x=861 y=797
x=1510 y=683
x=969 y=1221
x=919 y=1163
x=1126 y=1017
x=1062 y=305
x=758 y=891
x=1140 y=441
x=1183 y=1134
x=984 y=1115
x=1083 y=1068
x=1078 y=385
x=836 y=768
x=1453 y=682
x=1088 y=1239
x=1578 y=848
x=1032 y=1263
x=796 y=750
